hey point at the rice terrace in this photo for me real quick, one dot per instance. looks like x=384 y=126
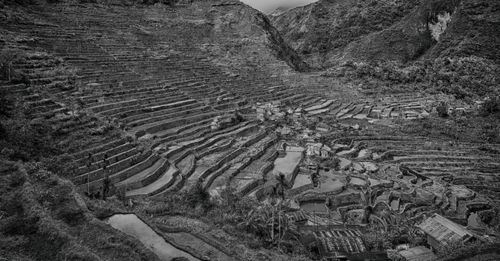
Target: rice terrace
x=255 y=130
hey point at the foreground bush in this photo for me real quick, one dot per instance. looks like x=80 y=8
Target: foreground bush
x=255 y=224
x=468 y=250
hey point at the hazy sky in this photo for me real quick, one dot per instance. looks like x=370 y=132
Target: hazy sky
x=267 y=6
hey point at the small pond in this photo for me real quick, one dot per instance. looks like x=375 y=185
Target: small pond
x=130 y=224
x=289 y=163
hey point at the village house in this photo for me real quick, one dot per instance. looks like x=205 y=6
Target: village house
x=318 y=149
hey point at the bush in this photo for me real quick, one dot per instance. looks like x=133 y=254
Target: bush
x=166 y=2
x=490 y=106
x=6 y=104
x=461 y=250
x=442 y=110
x=62 y=165
x=377 y=241
x=331 y=163
x=3 y=132
x=29 y=139
x=199 y=194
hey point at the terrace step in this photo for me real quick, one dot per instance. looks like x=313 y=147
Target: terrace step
x=166 y=180
x=145 y=177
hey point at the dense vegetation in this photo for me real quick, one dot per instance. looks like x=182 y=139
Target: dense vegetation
x=42 y=217
x=464 y=77
x=255 y=224
x=378 y=44
x=38 y=203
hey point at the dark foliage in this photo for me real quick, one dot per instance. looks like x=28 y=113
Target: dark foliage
x=464 y=78
x=6 y=104
x=166 y=2
x=27 y=140
x=491 y=106
x=442 y=110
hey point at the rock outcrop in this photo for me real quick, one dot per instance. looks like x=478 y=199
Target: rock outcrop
x=328 y=32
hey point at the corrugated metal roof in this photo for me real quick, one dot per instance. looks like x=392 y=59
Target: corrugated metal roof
x=340 y=241
x=443 y=229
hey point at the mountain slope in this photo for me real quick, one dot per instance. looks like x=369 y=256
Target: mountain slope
x=472 y=30
x=245 y=35
x=322 y=30
x=42 y=217
x=328 y=32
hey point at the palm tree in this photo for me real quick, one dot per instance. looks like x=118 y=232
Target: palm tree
x=270 y=217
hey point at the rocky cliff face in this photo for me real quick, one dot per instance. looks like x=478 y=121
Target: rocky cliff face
x=328 y=32
x=323 y=30
x=473 y=30
x=238 y=27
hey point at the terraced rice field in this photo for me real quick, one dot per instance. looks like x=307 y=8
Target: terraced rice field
x=165 y=96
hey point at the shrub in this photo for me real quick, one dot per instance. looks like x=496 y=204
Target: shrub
x=490 y=106
x=331 y=163
x=377 y=241
x=198 y=196
x=166 y=2
x=442 y=110
x=6 y=104
x=3 y=132
x=269 y=223
x=459 y=249
x=29 y=139
x=62 y=165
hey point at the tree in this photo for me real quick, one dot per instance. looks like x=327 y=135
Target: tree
x=270 y=223
x=6 y=59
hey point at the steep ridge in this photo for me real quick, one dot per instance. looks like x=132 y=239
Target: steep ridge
x=231 y=27
x=472 y=31
x=328 y=32
x=448 y=46
x=322 y=30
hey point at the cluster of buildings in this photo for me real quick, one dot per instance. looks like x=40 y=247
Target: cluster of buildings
x=343 y=241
